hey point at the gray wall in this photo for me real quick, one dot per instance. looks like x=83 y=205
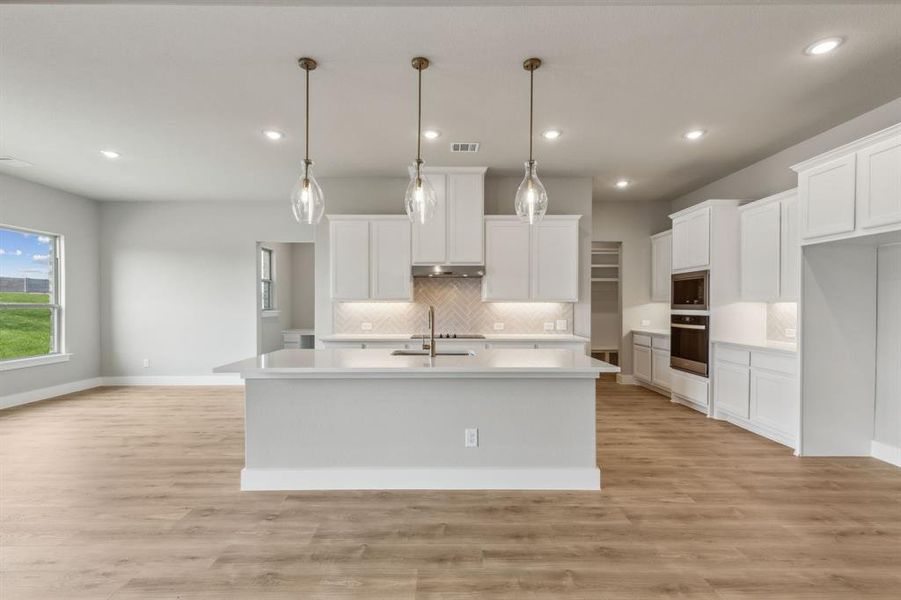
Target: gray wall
x=303 y=289
x=271 y=327
x=888 y=346
x=773 y=174
x=633 y=223
x=33 y=206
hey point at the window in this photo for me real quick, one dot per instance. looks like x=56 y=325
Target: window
x=30 y=296
x=267 y=279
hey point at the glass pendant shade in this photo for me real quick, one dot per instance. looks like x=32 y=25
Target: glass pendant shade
x=307 y=202
x=531 y=197
x=420 y=199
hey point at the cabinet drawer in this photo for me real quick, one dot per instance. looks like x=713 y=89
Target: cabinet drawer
x=733 y=355
x=641 y=340
x=774 y=362
x=291 y=337
x=661 y=343
x=688 y=387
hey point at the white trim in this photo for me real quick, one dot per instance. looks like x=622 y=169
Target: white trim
x=677 y=399
x=768 y=200
x=49 y=392
x=270 y=314
x=757 y=428
x=846 y=149
x=174 y=380
x=34 y=361
x=653 y=388
x=886 y=452
x=260 y=479
x=626 y=379
x=702 y=205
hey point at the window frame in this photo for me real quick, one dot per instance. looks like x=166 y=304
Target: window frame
x=56 y=305
x=273 y=309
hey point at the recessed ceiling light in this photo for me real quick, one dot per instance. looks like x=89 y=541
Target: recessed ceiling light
x=431 y=134
x=110 y=154
x=623 y=183
x=273 y=134
x=824 y=46
x=552 y=134
x=694 y=134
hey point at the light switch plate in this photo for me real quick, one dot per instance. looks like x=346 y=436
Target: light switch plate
x=471 y=438
x=645 y=322
x=366 y=326
x=498 y=326
x=549 y=326
x=561 y=324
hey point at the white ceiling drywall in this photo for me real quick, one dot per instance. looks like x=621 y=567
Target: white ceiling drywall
x=183 y=91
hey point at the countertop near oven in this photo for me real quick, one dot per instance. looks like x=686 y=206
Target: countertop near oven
x=651 y=331
x=490 y=337
x=788 y=347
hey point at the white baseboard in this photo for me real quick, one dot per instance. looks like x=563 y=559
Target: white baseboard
x=689 y=403
x=49 y=392
x=230 y=379
x=255 y=479
x=886 y=452
x=626 y=379
x=761 y=430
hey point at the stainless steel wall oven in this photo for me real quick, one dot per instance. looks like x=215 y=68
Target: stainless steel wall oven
x=690 y=343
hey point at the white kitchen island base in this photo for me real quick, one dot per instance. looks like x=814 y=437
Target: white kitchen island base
x=363 y=419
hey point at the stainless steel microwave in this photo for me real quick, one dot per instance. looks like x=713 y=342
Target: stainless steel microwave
x=690 y=291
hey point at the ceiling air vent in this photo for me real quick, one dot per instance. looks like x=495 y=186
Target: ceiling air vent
x=464 y=147
x=9 y=161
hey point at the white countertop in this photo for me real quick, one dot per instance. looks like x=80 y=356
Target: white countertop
x=376 y=363
x=489 y=337
x=651 y=331
x=787 y=347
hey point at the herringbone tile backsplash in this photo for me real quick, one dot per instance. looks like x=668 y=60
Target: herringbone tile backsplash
x=458 y=309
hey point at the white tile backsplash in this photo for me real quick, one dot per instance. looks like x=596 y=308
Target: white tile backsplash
x=458 y=309
x=781 y=318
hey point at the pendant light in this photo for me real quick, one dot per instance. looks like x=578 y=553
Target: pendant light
x=420 y=200
x=307 y=201
x=531 y=197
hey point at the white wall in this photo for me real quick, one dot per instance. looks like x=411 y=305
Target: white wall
x=303 y=290
x=633 y=224
x=773 y=174
x=888 y=346
x=29 y=205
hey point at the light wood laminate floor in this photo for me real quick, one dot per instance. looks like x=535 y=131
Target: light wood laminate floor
x=133 y=493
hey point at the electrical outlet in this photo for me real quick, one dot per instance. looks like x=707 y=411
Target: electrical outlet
x=561 y=324
x=366 y=326
x=549 y=326
x=791 y=333
x=498 y=326
x=471 y=438
x=146 y=363
x=645 y=322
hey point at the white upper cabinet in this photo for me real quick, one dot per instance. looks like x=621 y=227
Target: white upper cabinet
x=790 y=251
x=370 y=258
x=555 y=260
x=853 y=190
x=879 y=184
x=390 y=259
x=539 y=263
x=691 y=240
x=661 y=266
x=454 y=236
x=760 y=239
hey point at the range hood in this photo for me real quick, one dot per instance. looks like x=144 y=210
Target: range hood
x=447 y=271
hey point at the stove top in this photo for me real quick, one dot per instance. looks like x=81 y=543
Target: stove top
x=450 y=336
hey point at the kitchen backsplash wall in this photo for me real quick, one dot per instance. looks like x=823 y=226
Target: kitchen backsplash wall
x=458 y=309
x=779 y=317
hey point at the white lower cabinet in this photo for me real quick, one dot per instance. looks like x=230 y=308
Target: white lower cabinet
x=660 y=369
x=641 y=363
x=650 y=360
x=757 y=390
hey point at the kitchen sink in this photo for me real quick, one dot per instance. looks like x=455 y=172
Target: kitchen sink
x=438 y=353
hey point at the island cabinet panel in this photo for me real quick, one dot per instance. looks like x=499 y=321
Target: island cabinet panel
x=390 y=259
x=760 y=256
x=349 y=259
x=691 y=240
x=879 y=184
x=828 y=198
x=465 y=212
x=661 y=266
x=430 y=238
x=555 y=261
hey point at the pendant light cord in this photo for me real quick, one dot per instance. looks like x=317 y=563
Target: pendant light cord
x=419 y=121
x=531 y=103
x=307 y=142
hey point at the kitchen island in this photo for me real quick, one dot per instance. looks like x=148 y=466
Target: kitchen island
x=369 y=419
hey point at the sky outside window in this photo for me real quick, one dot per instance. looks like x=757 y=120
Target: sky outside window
x=24 y=254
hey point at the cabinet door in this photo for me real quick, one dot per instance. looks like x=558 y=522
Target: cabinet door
x=691 y=240
x=661 y=267
x=790 y=252
x=430 y=239
x=555 y=261
x=349 y=260
x=760 y=262
x=390 y=259
x=731 y=389
x=506 y=260
x=879 y=184
x=465 y=212
x=827 y=195
x=641 y=363
x=773 y=401
x=660 y=369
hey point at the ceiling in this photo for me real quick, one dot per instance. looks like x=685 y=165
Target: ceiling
x=183 y=91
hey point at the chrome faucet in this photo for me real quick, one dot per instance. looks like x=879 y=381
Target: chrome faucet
x=431 y=347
